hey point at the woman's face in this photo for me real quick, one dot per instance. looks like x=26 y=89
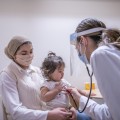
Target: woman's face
x=24 y=55
x=58 y=74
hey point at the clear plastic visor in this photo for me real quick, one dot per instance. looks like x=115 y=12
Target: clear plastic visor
x=73 y=42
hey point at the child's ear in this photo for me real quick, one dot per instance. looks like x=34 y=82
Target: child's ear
x=84 y=40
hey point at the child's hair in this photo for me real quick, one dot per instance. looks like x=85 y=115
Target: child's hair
x=50 y=64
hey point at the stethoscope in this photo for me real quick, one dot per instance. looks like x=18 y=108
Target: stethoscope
x=90 y=75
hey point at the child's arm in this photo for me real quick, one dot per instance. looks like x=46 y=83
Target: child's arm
x=47 y=95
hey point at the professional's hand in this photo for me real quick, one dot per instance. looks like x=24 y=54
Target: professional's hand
x=59 y=114
x=74 y=113
x=74 y=93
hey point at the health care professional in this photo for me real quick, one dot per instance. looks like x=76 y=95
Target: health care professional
x=20 y=83
x=105 y=63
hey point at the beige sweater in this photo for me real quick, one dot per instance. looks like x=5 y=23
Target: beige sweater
x=20 y=91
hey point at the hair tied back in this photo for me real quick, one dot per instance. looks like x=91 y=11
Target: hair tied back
x=51 y=54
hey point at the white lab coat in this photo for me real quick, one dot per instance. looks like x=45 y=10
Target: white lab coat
x=20 y=91
x=105 y=62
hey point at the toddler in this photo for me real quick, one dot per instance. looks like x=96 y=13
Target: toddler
x=53 y=90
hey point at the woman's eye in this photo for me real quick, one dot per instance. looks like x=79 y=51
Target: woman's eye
x=23 y=54
x=60 y=71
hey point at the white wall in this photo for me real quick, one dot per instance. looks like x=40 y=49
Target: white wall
x=48 y=24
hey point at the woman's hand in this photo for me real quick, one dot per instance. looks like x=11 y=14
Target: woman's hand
x=59 y=114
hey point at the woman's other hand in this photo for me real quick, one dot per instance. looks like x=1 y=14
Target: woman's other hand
x=74 y=113
x=59 y=114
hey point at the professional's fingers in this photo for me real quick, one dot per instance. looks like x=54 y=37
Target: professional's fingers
x=93 y=94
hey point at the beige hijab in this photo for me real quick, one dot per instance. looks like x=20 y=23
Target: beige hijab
x=13 y=46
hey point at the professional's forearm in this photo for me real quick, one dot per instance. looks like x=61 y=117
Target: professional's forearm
x=95 y=110
x=82 y=92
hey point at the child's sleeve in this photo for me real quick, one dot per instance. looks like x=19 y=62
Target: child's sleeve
x=46 y=84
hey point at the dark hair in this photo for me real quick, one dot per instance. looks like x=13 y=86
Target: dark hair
x=51 y=63
x=90 y=23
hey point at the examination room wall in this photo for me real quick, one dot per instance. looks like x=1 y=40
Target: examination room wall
x=49 y=23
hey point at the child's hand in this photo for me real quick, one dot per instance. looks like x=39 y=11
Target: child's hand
x=58 y=86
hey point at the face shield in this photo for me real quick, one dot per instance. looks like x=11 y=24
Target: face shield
x=74 y=59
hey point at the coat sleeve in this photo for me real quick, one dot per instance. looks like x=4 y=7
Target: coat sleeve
x=105 y=62
x=95 y=110
x=105 y=65
x=13 y=104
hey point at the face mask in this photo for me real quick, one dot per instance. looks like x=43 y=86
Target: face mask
x=82 y=57
x=24 y=60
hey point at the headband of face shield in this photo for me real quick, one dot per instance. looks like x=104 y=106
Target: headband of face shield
x=74 y=36
x=73 y=40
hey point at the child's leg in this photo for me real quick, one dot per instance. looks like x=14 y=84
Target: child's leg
x=83 y=116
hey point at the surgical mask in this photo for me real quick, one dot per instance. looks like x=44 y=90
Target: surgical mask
x=83 y=58
x=25 y=60
x=81 y=53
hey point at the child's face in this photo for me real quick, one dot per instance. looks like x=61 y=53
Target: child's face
x=58 y=74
